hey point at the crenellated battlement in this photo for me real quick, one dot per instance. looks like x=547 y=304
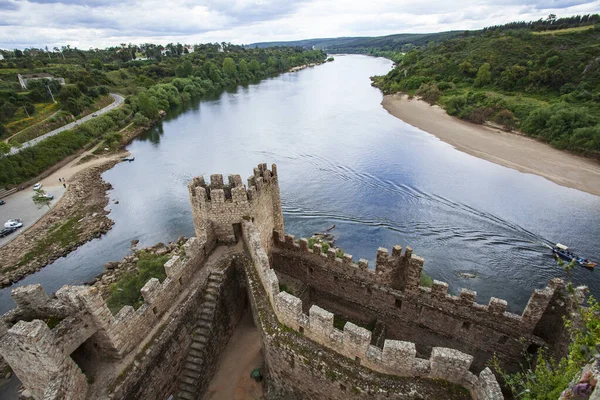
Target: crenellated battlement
x=217 y=206
x=44 y=366
x=396 y=277
x=396 y=357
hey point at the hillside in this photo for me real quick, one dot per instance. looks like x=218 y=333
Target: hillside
x=545 y=85
x=398 y=43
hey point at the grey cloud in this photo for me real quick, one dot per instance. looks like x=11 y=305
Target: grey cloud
x=9 y=6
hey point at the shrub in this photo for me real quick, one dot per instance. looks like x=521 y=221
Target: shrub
x=126 y=291
x=507 y=119
x=429 y=92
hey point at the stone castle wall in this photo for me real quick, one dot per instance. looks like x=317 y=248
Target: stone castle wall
x=216 y=207
x=390 y=293
x=396 y=358
x=41 y=357
x=156 y=373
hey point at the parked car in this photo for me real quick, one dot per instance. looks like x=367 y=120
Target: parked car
x=6 y=231
x=13 y=223
x=94 y=115
x=48 y=196
x=37 y=186
x=2 y=202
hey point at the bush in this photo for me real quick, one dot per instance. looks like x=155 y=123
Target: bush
x=126 y=291
x=507 y=119
x=429 y=92
x=140 y=119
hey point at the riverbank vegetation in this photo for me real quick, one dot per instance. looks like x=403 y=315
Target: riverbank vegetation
x=546 y=86
x=545 y=378
x=163 y=78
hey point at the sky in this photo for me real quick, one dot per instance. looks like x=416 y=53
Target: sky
x=101 y=23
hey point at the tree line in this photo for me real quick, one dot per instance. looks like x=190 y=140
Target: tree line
x=150 y=86
x=547 y=86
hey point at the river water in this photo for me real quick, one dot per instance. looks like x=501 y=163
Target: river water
x=343 y=160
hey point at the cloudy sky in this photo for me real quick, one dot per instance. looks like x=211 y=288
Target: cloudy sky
x=101 y=23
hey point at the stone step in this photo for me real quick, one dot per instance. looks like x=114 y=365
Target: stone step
x=196 y=353
x=211 y=297
x=193 y=367
x=186 y=387
x=203 y=331
x=212 y=290
x=204 y=325
x=200 y=339
x=188 y=380
x=182 y=394
x=197 y=345
x=195 y=360
x=190 y=373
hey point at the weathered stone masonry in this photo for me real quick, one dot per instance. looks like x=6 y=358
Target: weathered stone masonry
x=426 y=344
x=391 y=294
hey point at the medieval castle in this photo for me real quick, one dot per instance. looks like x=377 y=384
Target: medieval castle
x=421 y=343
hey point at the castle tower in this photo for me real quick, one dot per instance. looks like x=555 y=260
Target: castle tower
x=218 y=208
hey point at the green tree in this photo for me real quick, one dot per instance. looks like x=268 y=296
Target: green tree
x=4 y=147
x=147 y=105
x=254 y=67
x=40 y=198
x=484 y=75
x=229 y=68
x=185 y=69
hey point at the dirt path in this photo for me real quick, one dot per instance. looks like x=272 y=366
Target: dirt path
x=232 y=380
x=510 y=150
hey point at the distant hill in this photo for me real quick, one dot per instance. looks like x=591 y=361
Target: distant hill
x=397 y=43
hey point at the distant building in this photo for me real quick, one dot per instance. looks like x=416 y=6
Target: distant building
x=42 y=75
x=189 y=48
x=1 y=57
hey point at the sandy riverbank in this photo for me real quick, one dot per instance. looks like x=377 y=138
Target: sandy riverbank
x=510 y=150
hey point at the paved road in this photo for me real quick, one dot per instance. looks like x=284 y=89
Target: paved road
x=118 y=101
x=20 y=205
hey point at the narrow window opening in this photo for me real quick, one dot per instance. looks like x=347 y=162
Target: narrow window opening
x=310 y=270
x=466 y=326
x=398 y=303
x=180 y=281
x=301 y=329
x=154 y=310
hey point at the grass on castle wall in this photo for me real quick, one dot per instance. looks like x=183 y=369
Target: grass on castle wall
x=126 y=291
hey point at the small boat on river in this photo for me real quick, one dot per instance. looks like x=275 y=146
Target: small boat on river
x=563 y=252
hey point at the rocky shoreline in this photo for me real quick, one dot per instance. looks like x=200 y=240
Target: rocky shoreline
x=85 y=200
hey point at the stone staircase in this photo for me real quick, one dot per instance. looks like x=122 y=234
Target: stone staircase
x=194 y=362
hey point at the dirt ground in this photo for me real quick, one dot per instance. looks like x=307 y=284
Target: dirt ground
x=232 y=380
x=508 y=149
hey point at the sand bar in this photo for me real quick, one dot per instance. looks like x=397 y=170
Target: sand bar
x=508 y=149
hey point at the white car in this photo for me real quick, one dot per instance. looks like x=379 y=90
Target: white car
x=37 y=186
x=13 y=223
x=48 y=196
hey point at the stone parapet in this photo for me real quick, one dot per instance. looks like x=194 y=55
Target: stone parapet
x=397 y=277
x=217 y=206
x=84 y=316
x=397 y=357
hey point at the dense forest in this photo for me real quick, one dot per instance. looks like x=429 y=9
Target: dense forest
x=152 y=78
x=543 y=82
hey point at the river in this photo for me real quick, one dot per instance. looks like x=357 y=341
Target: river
x=343 y=160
